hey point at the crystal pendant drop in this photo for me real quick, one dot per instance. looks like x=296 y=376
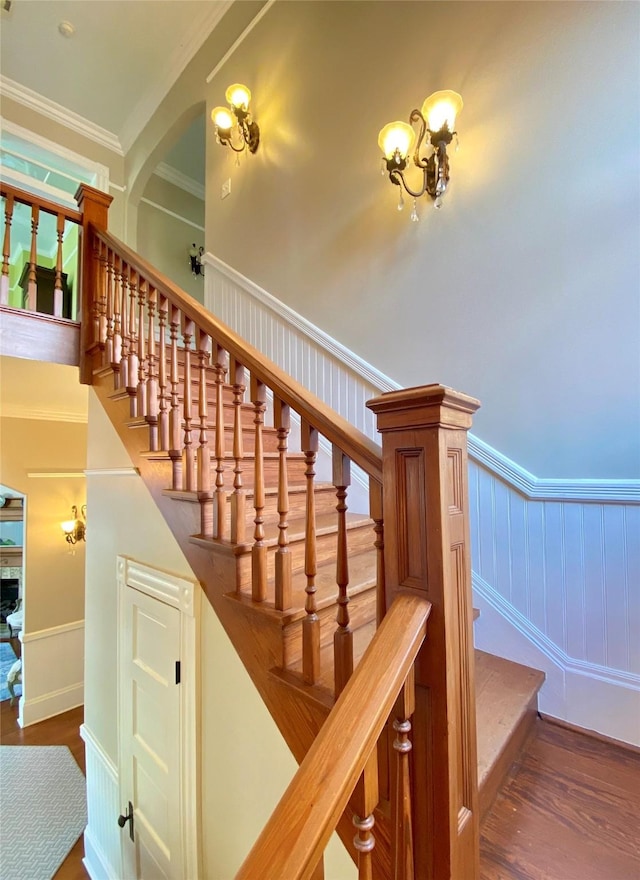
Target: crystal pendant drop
x=382 y=167
x=400 y=202
x=414 y=212
x=457 y=143
x=438 y=203
x=238 y=159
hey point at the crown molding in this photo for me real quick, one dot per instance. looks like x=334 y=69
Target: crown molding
x=23 y=411
x=200 y=29
x=28 y=98
x=171 y=214
x=240 y=39
x=183 y=181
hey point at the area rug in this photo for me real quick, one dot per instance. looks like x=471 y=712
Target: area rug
x=7 y=659
x=43 y=810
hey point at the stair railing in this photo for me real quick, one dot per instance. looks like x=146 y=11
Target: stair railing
x=55 y=294
x=341 y=765
x=165 y=351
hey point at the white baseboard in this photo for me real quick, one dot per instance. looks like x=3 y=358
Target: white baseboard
x=94 y=861
x=52 y=672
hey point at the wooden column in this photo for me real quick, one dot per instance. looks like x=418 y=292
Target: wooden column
x=94 y=206
x=426 y=523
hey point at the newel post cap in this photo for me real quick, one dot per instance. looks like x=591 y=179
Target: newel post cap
x=423 y=406
x=94 y=205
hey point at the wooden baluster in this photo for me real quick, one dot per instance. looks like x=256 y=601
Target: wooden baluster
x=205 y=496
x=401 y=815
x=32 y=289
x=221 y=495
x=163 y=392
x=6 y=250
x=364 y=801
x=375 y=512
x=152 y=391
x=124 y=326
x=133 y=361
x=311 y=622
x=102 y=298
x=141 y=391
x=259 y=550
x=98 y=292
x=238 y=498
x=175 y=421
x=343 y=637
x=188 y=477
x=116 y=357
x=57 y=284
x=282 y=422
x=108 y=348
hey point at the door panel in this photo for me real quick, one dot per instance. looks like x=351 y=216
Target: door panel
x=150 y=736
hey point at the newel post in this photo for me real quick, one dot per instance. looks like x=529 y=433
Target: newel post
x=94 y=207
x=426 y=523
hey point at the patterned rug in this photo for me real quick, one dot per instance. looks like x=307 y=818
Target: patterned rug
x=43 y=810
x=7 y=659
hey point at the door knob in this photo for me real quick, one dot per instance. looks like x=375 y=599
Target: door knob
x=128 y=817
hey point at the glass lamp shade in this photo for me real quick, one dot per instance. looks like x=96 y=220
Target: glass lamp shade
x=222 y=118
x=396 y=136
x=238 y=96
x=69 y=526
x=441 y=107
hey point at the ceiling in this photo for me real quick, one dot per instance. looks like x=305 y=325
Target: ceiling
x=130 y=51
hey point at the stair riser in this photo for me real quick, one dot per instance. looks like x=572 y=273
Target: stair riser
x=325 y=501
x=362 y=610
x=358 y=540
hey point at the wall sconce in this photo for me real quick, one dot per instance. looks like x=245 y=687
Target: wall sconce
x=244 y=133
x=195 y=258
x=437 y=119
x=75 y=529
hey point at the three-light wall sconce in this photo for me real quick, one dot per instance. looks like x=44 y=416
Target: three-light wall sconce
x=397 y=141
x=75 y=529
x=239 y=134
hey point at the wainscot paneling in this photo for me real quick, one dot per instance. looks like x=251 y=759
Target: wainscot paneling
x=52 y=672
x=556 y=563
x=102 y=835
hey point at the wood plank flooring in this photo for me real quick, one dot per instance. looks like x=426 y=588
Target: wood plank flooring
x=570 y=812
x=63 y=730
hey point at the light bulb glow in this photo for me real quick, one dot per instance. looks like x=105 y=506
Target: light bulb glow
x=396 y=136
x=441 y=107
x=68 y=527
x=222 y=118
x=238 y=96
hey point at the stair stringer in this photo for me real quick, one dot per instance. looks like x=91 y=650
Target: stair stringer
x=298 y=711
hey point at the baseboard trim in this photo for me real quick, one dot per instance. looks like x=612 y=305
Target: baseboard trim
x=51 y=704
x=94 y=860
x=593 y=734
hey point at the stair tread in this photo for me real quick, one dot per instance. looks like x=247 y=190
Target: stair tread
x=504 y=691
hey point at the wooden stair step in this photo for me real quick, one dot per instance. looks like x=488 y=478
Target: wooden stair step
x=506 y=710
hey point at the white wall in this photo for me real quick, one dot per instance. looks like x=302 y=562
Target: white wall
x=524 y=289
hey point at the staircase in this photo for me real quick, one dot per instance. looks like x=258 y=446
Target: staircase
x=300 y=583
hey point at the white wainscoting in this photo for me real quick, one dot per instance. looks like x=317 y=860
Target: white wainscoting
x=102 y=848
x=556 y=563
x=52 y=672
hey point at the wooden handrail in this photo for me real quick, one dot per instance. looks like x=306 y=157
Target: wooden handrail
x=26 y=198
x=360 y=449
x=295 y=836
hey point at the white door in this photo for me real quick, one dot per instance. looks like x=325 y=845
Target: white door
x=150 y=745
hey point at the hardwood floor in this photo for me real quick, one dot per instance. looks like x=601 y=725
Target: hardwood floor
x=571 y=812
x=63 y=730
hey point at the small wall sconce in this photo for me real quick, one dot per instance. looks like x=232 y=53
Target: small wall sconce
x=75 y=529
x=195 y=258
x=437 y=119
x=244 y=133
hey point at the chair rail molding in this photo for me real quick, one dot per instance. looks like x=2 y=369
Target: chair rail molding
x=554 y=559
